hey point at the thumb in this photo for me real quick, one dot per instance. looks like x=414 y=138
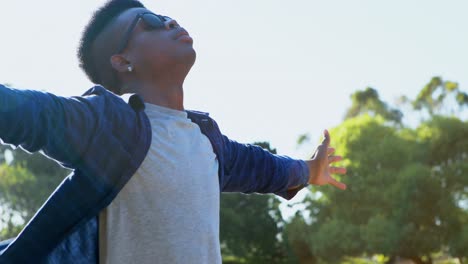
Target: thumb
x=326 y=138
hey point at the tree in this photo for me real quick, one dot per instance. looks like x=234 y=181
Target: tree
x=434 y=95
x=368 y=101
x=297 y=233
x=406 y=189
x=447 y=154
x=25 y=183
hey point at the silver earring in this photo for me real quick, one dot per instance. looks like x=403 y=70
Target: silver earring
x=130 y=68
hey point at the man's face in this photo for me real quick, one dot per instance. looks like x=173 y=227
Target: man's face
x=152 y=49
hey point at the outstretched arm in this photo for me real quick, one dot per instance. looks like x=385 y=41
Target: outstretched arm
x=34 y=120
x=250 y=168
x=102 y=136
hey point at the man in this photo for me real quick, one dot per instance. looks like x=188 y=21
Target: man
x=147 y=173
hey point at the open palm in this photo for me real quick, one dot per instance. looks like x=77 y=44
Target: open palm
x=319 y=165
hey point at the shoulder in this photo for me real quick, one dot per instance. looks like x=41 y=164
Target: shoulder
x=101 y=97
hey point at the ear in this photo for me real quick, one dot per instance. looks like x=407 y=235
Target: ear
x=119 y=63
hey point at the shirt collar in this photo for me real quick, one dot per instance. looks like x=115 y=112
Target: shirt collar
x=134 y=100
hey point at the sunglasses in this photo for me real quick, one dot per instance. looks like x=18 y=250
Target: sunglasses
x=151 y=20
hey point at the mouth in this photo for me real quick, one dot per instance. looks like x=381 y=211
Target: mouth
x=183 y=36
x=182 y=33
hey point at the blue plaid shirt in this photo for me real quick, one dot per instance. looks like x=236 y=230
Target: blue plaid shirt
x=104 y=138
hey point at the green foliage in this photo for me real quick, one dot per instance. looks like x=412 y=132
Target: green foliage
x=358 y=261
x=433 y=96
x=336 y=238
x=11 y=229
x=381 y=234
x=446 y=138
x=407 y=190
x=459 y=243
x=25 y=184
x=403 y=186
x=16 y=183
x=248 y=229
x=298 y=238
x=303 y=139
x=368 y=101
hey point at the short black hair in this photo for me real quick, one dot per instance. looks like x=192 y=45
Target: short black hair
x=101 y=18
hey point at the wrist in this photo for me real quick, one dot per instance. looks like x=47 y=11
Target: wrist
x=312 y=165
x=300 y=179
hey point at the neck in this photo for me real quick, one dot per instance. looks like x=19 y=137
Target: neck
x=166 y=94
x=163 y=87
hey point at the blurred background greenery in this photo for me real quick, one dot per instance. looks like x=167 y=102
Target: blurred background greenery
x=406 y=202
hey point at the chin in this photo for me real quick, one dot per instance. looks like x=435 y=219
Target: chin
x=188 y=57
x=185 y=61
x=182 y=59
x=192 y=57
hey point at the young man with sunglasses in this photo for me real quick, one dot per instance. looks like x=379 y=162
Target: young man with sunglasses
x=147 y=173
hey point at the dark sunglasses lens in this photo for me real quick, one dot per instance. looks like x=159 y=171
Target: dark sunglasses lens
x=153 y=21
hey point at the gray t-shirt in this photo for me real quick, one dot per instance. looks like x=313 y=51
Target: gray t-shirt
x=169 y=210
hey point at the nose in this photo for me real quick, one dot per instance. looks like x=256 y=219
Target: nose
x=171 y=23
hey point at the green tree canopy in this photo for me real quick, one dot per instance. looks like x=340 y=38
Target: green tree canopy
x=407 y=188
x=25 y=183
x=433 y=97
x=368 y=101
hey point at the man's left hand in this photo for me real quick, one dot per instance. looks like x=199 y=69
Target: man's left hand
x=320 y=168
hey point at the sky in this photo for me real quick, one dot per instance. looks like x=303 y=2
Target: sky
x=266 y=70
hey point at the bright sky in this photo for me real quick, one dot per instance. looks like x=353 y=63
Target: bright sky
x=266 y=70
